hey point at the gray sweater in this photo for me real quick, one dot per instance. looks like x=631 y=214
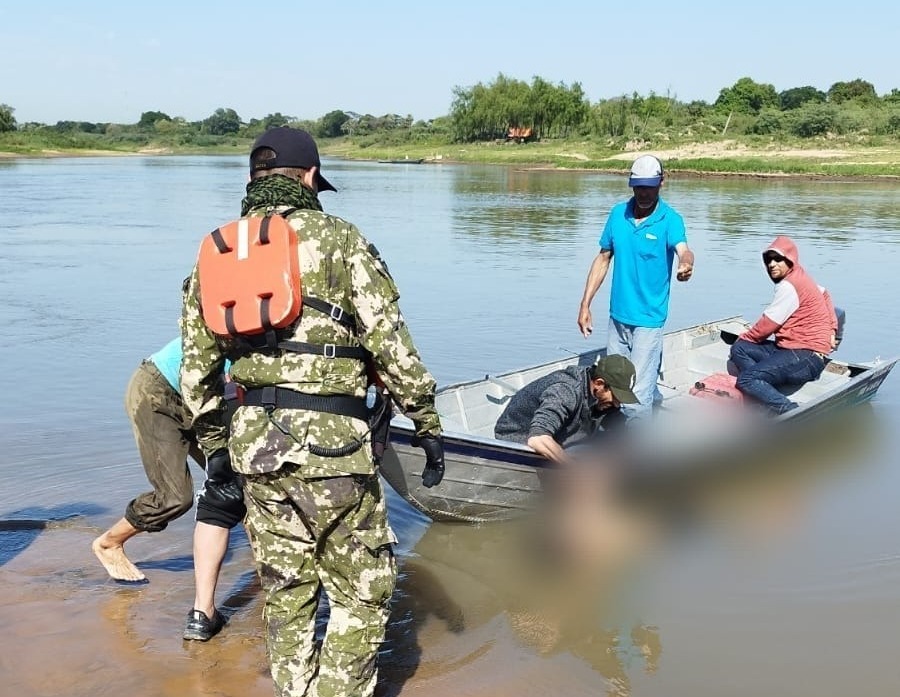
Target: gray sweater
x=559 y=404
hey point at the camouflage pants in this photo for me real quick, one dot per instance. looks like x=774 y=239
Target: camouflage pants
x=311 y=536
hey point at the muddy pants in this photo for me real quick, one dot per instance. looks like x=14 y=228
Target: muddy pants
x=161 y=424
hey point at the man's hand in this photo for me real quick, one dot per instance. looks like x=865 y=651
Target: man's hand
x=434 y=459
x=597 y=273
x=685 y=265
x=546 y=446
x=585 y=321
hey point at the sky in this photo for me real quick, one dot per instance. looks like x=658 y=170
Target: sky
x=102 y=61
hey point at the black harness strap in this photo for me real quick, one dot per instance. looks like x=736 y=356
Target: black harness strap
x=264 y=230
x=269 y=342
x=229 y=320
x=337 y=313
x=326 y=350
x=219 y=241
x=272 y=398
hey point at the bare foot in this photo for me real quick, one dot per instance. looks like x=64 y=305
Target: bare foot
x=112 y=556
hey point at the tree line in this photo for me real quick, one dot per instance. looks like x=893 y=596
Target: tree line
x=487 y=112
x=748 y=107
x=224 y=125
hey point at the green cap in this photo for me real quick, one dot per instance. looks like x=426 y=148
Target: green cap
x=617 y=372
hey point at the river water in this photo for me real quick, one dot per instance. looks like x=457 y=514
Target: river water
x=781 y=579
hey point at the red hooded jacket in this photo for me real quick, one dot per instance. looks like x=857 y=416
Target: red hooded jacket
x=801 y=315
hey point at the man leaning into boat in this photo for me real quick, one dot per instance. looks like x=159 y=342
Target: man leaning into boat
x=551 y=410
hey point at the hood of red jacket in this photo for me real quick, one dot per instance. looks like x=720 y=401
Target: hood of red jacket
x=784 y=246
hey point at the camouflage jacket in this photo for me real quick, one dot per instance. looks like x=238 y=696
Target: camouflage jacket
x=338 y=265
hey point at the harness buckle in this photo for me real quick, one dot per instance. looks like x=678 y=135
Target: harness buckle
x=269 y=398
x=328 y=350
x=337 y=313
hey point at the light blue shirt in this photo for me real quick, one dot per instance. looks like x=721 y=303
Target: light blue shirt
x=168 y=361
x=642 y=262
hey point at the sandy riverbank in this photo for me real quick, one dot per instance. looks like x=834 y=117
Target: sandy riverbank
x=724 y=158
x=6 y=155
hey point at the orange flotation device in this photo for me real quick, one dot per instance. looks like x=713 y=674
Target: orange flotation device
x=249 y=273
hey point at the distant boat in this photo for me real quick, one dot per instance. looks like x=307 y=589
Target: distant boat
x=404 y=161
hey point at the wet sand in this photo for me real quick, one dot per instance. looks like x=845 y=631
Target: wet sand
x=73 y=631
x=465 y=620
x=479 y=611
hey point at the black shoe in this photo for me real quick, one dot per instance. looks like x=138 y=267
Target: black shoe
x=199 y=627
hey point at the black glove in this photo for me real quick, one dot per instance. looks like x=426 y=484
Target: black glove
x=434 y=459
x=380 y=423
x=218 y=467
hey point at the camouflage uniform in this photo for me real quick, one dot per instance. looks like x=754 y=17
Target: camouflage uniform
x=316 y=523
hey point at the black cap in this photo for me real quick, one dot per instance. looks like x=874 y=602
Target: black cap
x=293 y=148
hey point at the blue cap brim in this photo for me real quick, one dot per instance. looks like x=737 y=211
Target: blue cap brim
x=644 y=181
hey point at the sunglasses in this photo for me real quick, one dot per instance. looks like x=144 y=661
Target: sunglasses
x=773 y=256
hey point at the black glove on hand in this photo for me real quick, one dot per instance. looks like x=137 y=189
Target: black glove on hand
x=434 y=459
x=218 y=467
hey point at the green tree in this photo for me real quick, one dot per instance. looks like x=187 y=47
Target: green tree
x=611 y=117
x=575 y=108
x=813 y=120
x=332 y=123
x=796 y=97
x=222 y=122
x=857 y=89
x=171 y=127
x=542 y=106
x=487 y=112
x=149 y=118
x=697 y=109
x=256 y=127
x=7 y=121
x=769 y=122
x=747 y=97
x=893 y=123
x=275 y=120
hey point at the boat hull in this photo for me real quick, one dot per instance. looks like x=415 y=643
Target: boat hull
x=490 y=480
x=482 y=482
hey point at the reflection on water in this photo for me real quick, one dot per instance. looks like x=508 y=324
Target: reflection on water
x=541 y=209
x=579 y=598
x=485 y=582
x=784 y=557
x=803 y=209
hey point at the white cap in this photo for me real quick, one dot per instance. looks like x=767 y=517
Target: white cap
x=646 y=171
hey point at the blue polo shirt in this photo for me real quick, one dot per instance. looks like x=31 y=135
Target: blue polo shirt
x=168 y=361
x=642 y=262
